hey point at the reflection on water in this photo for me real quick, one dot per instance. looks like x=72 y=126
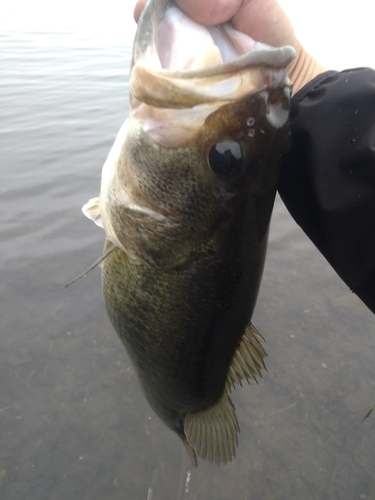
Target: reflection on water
x=73 y=423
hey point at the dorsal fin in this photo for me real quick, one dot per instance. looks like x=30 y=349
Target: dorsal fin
x=212 y=433
x=248 y=359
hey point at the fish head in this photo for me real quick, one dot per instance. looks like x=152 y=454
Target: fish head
x=208 y=121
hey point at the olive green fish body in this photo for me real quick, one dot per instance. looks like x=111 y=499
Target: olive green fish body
x=186 y=197
x=181 y=326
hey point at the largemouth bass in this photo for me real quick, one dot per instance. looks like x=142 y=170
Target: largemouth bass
x=186 y=198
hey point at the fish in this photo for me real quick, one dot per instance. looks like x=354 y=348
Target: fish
x=185 y=201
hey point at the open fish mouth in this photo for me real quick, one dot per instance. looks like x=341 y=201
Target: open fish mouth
x=169 y=45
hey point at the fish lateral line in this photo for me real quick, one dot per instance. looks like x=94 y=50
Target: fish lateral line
x=94 y=265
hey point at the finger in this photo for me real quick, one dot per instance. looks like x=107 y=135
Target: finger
x=264 y=21
x=205 y=12
x=209 y=12
x=138 y=9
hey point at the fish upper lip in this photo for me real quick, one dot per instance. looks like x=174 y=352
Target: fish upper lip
x=272 y=58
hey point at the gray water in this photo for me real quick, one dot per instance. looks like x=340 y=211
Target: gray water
x=73 y=422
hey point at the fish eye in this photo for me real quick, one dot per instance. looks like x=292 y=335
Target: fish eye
x=225 y=159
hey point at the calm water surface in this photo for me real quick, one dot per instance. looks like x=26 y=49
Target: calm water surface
x=73 y=422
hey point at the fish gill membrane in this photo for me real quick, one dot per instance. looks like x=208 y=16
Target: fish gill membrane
x=186 y=197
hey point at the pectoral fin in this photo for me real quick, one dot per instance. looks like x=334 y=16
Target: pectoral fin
x=92 y=211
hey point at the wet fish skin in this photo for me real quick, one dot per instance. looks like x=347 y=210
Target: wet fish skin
x=181 y=287
x=181 y=323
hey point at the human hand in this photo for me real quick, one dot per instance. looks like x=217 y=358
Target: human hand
x=262 y=20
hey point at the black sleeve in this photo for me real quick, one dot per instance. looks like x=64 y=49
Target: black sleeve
x=327 y=177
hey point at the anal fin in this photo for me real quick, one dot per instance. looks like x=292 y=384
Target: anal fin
x=212 y=433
